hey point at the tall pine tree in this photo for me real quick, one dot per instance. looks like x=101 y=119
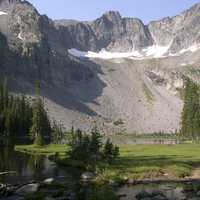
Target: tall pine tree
x=191 y=111
x=40 y=122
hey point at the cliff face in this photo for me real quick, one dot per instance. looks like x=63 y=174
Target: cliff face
x=114 y=33
x=181 y=31
x=32 y=46
x=120 y=94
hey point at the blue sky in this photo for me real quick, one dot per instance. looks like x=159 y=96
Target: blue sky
x=146 y=10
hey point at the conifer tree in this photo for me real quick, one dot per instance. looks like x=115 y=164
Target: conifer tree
x=40 y=122
x=190 y=127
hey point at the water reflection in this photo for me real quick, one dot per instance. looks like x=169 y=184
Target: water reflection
x=27 y=167
x=167 y=191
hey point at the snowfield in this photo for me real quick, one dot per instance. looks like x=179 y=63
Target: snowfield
x=3 y=13
x=154 y=51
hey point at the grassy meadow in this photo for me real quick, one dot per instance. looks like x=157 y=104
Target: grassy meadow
x=139 y=162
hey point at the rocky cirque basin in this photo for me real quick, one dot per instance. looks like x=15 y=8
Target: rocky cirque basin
x=121 y=93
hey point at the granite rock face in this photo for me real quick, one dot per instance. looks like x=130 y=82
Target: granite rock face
x=121 y=95
x=115 y=33
x=31 y=46
x=110 y=32
x=179 y=32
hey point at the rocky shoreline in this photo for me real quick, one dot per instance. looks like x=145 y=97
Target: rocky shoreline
x=20 y=192
x=52 y=189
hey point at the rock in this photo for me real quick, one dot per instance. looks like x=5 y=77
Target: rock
x=87 y=176
x=130 y=181
x=142 y=195
x=38 y=44
x=125 y=179
x=6 y=190
x=198 y=193
x=155 y=195
x=29 y=188
x=49 y=198
x=114 y=183
x=49 y=181
x=71 y=196
x=159 y=197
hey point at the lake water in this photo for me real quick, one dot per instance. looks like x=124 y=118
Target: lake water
x=131 y=140
x=37 y=168
x=27 y=167
x=161 y=191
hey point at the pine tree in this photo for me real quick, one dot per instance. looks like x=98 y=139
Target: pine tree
x=190 y=127
x=40 y=122
x=57 y=133
x=95 y=144
x=108 y=150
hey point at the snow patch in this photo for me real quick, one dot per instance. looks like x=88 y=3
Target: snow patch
x=3 y=13
x=103 y=54
x=192 y=48
x=154 y=51
x=20 y=36
x=183 y=64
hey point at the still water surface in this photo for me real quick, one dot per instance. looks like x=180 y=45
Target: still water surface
x=27 y=167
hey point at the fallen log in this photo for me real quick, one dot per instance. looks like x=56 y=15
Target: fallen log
x=6 y=173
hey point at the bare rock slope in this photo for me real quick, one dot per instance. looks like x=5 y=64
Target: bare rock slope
x=120 y=93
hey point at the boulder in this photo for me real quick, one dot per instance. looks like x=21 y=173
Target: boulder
x=48 y=181
x=87 y=176
x=143 y=195
x=198 y=193
x=6 y=190
x=29 y=188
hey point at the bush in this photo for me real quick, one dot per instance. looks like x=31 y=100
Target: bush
x=110 y=152
x=39 y=141
x=90 y=149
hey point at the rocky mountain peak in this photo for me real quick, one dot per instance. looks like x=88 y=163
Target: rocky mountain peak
x=81 y=91
x=112 y=15
x=5 y=4
x=195 y=8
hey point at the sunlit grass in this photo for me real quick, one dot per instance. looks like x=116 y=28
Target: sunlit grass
x=48 y=149
x=140 y=161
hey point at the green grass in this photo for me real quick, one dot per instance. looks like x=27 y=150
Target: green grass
x=141 y=161
x=154 y=161
x=47 y=150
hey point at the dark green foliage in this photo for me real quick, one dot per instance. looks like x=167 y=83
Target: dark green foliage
x=40 y=123
x=95 y=144
x=18 y=117
x=41 y=127
x=191 y=111
x=57 y=134
x=110 y=152
x=15 y=115
x=89 y=148
x=80 y=146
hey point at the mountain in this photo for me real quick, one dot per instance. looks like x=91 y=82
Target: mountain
x=115 y=72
